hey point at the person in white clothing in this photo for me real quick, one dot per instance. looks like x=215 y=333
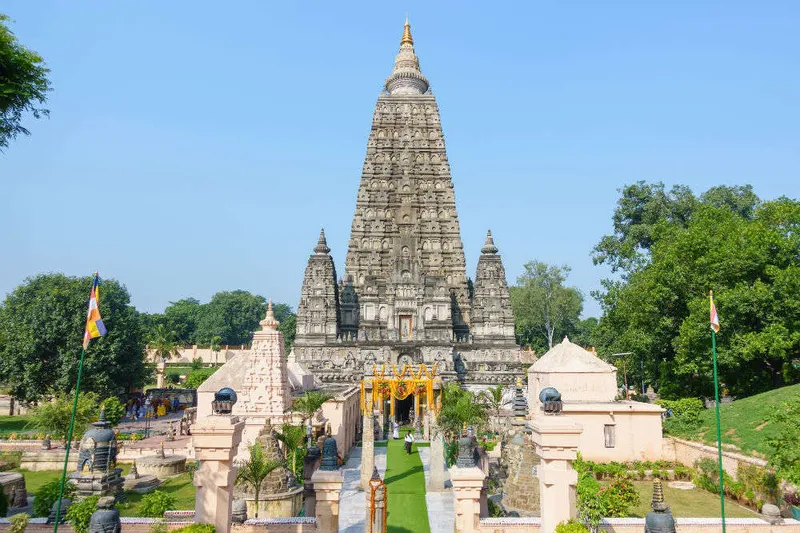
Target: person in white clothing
x=395 y=430
x=409 y=442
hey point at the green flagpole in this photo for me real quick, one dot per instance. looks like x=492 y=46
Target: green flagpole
x=69 y=443
x=719 y=430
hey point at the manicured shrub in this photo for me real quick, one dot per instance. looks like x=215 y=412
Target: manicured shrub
x=46 y=496
x=80 y=512
x=571 y=527
x=18 y=523
x=196 y=528
x=156 y=504
x=115 y=410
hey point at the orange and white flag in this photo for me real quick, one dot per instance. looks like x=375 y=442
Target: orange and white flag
x=714 y=315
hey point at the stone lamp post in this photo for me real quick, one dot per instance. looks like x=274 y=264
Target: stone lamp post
x=215 y=440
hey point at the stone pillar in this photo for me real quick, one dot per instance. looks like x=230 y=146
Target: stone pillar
x=310 y=465
x=556 y=440
x=160 y=367
x=215 y=440
x=327 y=486
x=426 y=425
x=436 y=477
x=467 y=487
x=367 y=448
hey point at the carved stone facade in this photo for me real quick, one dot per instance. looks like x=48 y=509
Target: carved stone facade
x=405 y=297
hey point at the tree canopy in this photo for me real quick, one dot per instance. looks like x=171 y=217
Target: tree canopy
x=545 y=309
x=23 y=84
x=727 y=240
x=41 y=336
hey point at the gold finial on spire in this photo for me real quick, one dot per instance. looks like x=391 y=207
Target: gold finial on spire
x=407 y=34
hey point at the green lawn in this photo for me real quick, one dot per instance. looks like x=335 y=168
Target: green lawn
x=743 y=421
x=405 y=484
x=34 y=480
x=180 y=487
x=14 y=424
x=694 y=503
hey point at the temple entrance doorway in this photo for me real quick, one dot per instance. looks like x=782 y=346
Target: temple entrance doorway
x=402 y=409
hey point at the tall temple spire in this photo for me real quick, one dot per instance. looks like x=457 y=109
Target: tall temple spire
x=269 y=322
x=322 y=243
x=406 y=77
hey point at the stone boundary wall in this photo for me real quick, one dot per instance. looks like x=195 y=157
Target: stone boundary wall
x=187 y=354
x=143 y=525
x=636 y=525
x=687 y=452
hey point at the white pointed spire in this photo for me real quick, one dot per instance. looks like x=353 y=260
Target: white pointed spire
x=406 y=77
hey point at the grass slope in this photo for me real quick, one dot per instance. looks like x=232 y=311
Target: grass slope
x=695 y=503
x=14 y=424
x=743 y=422
x=405 y=483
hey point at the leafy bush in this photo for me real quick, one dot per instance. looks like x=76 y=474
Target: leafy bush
x=784 y=454
x=115 y=410
x=596 y=501
x=495 y=511
x=618 y=496
x=197 y=363
x=685 y=410
x=197 y=377
x=46 y=496
x=3 y=502
x=18 y=523
x=54 y=416
x=173 y=378
x=80 y=512
x=156 y=504
x=571 y=527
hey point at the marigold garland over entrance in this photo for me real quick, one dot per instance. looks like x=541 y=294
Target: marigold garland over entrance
x=388 y=383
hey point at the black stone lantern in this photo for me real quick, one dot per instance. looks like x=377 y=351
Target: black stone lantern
x=224 y=399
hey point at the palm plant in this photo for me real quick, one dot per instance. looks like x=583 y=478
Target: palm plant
x=493 y=399
x=255 y=470
x=309 y=403
x=164 y=343
x=460 y=407
x=292 y=438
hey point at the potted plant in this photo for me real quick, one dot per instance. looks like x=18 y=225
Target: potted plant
x=793 y=499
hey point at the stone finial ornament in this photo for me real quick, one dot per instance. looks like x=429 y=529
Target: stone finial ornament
x=322 y=244
x=239 y=511
x=488 y=246
x=269 y=322
x=106 y=518
x=660 y=520
x=406 y=77
x=551 y=400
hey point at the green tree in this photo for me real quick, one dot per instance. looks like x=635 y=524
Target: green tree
x=309 y=403
x=659 y=310
x=288 y=324
x=784 y=454
x=292 y=438
x=253 y=471
x=23 y=85
x=41 y=326
x=493 y=399
x=460 y=407
x=544 y=309
x=114 y=410
x=54 y=416
x=163 y=344
x=182 y=317
x=232 y=315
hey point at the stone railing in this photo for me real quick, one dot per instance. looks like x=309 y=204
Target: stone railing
x=144 y=525
x=687 y=452
x=636 y=525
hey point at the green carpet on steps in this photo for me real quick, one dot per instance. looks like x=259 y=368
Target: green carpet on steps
x=405 y=484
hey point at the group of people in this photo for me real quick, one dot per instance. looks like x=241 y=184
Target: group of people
x=140 y=408
x=409 y=438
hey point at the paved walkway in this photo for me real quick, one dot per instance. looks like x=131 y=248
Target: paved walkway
x=441 y=507
x=352 y=500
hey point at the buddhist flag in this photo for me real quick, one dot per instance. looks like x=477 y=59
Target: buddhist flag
x=714 y=316
x=94 y=324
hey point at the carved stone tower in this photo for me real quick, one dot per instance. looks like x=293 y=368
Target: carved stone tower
x=405 y=298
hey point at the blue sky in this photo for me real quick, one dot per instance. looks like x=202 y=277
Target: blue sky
x=199 y=146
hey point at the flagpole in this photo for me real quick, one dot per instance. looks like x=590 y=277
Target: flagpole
x=719 y=429
x=69 y=443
